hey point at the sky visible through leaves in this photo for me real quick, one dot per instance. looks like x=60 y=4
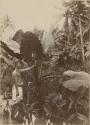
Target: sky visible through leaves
x=27 y=14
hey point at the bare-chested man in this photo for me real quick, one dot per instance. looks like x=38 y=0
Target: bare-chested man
x=17 y=81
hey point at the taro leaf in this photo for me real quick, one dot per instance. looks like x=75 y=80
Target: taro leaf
x=74 y=84
x=77 y=75
x=54 y=105
x=47 y=109
x=58 y=113
x=81 y=117
x=78 y=79
x=78 y=118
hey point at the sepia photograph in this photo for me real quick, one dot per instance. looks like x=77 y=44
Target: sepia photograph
x=44 y=62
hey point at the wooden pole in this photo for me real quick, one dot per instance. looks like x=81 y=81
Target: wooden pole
x=28 y=92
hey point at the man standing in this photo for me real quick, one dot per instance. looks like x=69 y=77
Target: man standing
x=17 y=82
x=17 y=89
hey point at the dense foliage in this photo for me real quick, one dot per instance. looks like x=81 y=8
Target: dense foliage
x=68 y=40
x=54 y=93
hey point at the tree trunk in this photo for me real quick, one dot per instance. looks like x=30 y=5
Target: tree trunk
x=28 y=94
x=67 y=28
x=38 y=66
x=82 y=44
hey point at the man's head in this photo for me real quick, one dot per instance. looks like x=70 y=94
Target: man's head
x=17 y=64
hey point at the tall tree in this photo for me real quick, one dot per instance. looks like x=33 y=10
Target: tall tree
x=80 y=20
x=72 y=39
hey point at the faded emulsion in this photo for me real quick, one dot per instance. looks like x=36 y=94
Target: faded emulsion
x=44 y=62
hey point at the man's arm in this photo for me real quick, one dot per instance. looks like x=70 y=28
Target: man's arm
x=26 y=69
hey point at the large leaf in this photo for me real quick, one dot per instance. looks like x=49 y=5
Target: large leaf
x=81 y=117
x=78 y=119
x=9 y=48
x=58 y=113
x=77 y=75
x=13 y=45
x=77 y=80
x=74 y=84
